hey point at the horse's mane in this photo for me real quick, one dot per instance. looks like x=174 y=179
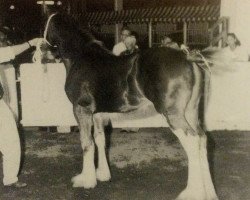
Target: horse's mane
x=74 y=39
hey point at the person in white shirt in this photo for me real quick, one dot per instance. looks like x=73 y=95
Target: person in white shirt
x=9 y=137
x=121 y=47
x=234 y=50
x=131 y=47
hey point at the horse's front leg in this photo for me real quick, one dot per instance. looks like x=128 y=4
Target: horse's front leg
x=87 y=178
x=102 y=171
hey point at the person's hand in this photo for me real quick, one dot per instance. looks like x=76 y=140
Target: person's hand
x=35 y=41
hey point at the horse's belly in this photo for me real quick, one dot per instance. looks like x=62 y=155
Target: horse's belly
x=144 y=110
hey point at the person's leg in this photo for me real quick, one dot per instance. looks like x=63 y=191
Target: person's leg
x=9 y=145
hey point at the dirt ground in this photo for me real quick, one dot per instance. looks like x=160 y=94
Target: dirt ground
x=148 y=165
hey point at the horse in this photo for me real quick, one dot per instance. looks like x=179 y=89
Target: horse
x=100 y=84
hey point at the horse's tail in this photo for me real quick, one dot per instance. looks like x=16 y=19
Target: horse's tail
x=217 y=58
x=212 y=55
x=205 y=63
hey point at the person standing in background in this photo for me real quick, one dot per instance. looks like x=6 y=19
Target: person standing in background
x=131 y=47
x=131 y=44
x=121 y=47
x=234 y=50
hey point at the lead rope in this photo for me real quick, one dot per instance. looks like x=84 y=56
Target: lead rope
x=46 y=30
x=37 y=59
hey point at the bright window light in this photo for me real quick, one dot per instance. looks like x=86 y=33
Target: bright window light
x=46 y=2
x=59 y=3
x=12 y=7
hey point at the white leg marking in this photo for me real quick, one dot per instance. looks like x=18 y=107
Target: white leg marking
x=102 y=172
x=87 y=178
x=209 y=187
x=195 y=189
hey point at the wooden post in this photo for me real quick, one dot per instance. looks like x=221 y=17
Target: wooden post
x=118 y=6
x=150 y=38
x=185 y=33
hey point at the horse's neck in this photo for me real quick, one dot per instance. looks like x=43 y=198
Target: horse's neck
x=79 y=51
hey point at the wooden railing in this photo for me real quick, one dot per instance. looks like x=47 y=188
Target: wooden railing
x=218 y=32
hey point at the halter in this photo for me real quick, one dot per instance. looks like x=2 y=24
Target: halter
x=46 y=30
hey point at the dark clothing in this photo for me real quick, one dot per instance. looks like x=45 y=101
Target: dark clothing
x=1 y=91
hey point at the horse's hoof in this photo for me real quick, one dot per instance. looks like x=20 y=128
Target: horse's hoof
x=103 y=175
x=84 y=181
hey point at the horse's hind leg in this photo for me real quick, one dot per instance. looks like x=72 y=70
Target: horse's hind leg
x=206 y=176
x=87 y=178
x=175 y=103
x=192 y=113
x=102 y=171
x=177 y=98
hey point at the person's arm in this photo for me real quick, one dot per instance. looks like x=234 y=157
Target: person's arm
x=8 y=53
x=17 y=49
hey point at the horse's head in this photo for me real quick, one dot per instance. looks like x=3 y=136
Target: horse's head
x=64 y=32
x=59 y=28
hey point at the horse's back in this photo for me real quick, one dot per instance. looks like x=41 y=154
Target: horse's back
x=170 y=60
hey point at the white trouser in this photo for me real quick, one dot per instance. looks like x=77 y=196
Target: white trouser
x=9 y=144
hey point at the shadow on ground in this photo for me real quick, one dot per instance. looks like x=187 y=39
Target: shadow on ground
x=148 y=165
